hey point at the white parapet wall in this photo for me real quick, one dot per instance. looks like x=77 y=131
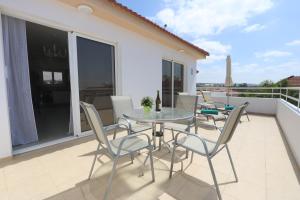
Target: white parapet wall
x=257 y=105
x=289 y=120
x=288 y=116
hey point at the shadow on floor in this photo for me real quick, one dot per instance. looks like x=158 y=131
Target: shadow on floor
x=128 y=185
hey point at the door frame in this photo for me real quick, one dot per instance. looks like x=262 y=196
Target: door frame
x=74 y=76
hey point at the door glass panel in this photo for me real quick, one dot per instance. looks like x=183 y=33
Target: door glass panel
x=178 y=78
x=166 y=83
x=96 y=78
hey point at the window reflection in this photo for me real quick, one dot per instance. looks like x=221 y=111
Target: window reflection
x=166 y=83
x=96 y=78
x=47 y=77
x=58 y=77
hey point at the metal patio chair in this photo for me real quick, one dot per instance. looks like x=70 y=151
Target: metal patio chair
x=122 y=105
x=123 y=146
x=208 y=148
x=188 y=103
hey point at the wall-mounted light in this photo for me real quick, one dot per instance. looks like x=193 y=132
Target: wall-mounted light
x=85 y=9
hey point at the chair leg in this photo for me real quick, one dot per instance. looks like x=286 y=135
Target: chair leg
x=132 y=157
x=187 y=154
x=248 y=117
x=108 y=188
x=192 y=157
x=94 y=161
x=231 y=162
x=115 y=133
x=173 y=135
x=172 y=161
x=151 y=164
x=214 y=177
x=215 y=123
x=159 y=147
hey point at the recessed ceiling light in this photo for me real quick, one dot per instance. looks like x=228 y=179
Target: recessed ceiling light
x=181 y=50
x=85 y=9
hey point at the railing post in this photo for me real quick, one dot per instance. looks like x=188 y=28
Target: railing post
x=298 y=98
x=286 y=94
x=272 y=93
x=280 y=93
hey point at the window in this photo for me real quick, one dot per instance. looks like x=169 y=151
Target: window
x=47 y=77
x=50 y=78
x=58 y=77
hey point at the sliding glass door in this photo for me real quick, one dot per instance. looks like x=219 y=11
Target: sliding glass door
x=172 y=82
x=166 y=83
x=96 y=77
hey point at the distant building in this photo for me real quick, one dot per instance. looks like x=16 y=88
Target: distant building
x=293 y=81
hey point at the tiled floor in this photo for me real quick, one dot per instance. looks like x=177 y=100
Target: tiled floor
x=263 y=164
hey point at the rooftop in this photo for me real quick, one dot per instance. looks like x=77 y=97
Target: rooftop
x=264 y=164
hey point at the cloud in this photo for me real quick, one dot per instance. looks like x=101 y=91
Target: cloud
x=206 y=17
x=293 y=43
x=254 y=28
x=268 y=55
x=217 y=50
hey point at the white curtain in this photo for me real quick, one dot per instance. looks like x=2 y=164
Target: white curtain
x=23 y=126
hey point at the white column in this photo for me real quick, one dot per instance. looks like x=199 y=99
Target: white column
x=74 y=83
x=5 y=136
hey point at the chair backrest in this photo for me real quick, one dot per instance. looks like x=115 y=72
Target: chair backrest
x=187 y=102
x=95 y=122
x=205 y=97
x=231 y=124
x=121 y=105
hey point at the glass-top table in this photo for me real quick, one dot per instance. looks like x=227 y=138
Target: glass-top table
x=164 y=116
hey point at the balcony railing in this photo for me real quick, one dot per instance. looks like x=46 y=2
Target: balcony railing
x=289 y=94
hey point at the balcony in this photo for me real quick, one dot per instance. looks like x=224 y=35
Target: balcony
x=264 y=161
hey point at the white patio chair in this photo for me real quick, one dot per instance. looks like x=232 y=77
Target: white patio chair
x=122 y=105
x=117 y=148
x=208 y=148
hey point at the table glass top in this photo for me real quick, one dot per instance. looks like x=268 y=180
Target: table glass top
x=165 y=115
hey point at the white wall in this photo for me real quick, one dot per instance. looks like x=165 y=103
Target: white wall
x=257 y=105
x=289 y=120
x=138 y=59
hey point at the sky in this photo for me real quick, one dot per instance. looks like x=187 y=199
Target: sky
x=261 y=36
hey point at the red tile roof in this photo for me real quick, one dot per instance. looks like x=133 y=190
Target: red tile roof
x=294 y=81
x=156 y=26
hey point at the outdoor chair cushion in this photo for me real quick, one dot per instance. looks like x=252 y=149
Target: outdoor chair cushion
x=195 y=144
x=130 y=145
x=229 y=107
x=209 y=111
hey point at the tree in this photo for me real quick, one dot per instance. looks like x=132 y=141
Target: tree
x=282 y=83
x=267 y=83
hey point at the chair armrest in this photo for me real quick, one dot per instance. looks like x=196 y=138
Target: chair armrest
x=127 y=126
x=193 y=135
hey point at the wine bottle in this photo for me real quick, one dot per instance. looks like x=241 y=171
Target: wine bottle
x=157 y=102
